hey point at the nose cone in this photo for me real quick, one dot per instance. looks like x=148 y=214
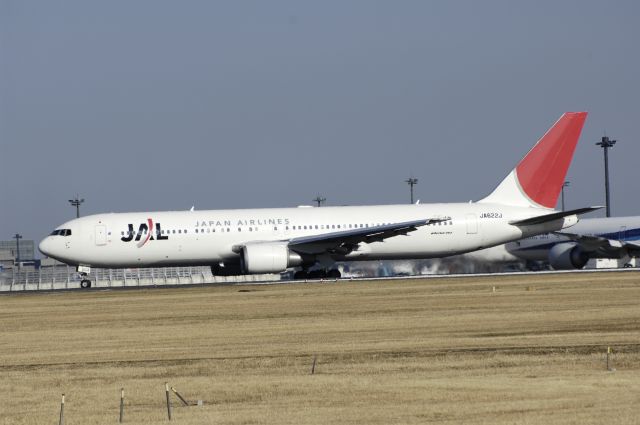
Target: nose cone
x=45 y=246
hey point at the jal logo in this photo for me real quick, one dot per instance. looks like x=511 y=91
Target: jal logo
x=144 y=233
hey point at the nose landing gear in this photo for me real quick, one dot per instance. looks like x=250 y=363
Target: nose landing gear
x=83 y=272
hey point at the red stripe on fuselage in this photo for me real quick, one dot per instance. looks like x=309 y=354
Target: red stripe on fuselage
x=150 y=224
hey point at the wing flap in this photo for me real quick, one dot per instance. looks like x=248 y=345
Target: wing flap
x=346 y=241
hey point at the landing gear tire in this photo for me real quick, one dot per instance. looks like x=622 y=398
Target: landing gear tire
x=85 y=283
x=334 y=274
x=301 y=274
x=317 y=274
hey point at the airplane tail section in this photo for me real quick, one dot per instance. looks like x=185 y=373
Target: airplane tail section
x=537 y=179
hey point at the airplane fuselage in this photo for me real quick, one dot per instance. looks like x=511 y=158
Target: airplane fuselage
x=208 y=237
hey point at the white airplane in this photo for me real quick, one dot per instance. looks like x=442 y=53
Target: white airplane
x=273 y=240
x=614 y=237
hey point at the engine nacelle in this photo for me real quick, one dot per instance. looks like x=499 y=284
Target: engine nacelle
x=268 y=257
x=567 y=256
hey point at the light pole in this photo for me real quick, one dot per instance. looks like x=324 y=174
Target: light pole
x=320 y=200
x=565 y=184
x=411 y=182
x=17 y=237
x=76 y=203
x=606 y=144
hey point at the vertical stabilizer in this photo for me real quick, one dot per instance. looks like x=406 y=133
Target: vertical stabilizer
x=537 y=179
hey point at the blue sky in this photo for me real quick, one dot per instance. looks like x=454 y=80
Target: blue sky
x=161 y=105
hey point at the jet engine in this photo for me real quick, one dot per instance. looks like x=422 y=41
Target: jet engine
x=567 y=256
x=268 y=257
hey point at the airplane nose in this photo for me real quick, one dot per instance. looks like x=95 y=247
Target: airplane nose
x=45 y=246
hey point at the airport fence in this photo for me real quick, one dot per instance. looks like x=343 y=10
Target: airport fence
x=65 y=277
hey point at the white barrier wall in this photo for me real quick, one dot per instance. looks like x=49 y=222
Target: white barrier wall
x=64 y=277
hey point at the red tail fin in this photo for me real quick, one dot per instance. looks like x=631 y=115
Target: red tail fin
x=538 y=178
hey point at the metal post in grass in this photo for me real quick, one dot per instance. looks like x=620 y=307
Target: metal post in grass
x=61 y=422
x=185 y=402
x=121 y=405
x=609 y=368
x=313 y=366
x=166 y=390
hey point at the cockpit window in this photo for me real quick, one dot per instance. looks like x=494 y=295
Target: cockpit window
x=61 y=232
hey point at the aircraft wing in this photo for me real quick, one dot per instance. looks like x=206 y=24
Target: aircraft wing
x=606 y=247
x=345 y=241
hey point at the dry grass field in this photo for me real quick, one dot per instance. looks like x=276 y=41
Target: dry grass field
x=388 y=352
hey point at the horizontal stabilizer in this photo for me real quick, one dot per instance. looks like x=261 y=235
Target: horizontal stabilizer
x=541 y=219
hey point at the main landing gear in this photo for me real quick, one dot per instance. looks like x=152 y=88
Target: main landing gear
x=317 y=274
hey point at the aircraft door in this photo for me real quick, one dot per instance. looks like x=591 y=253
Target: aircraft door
x=472 y=224
x=101 y=235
